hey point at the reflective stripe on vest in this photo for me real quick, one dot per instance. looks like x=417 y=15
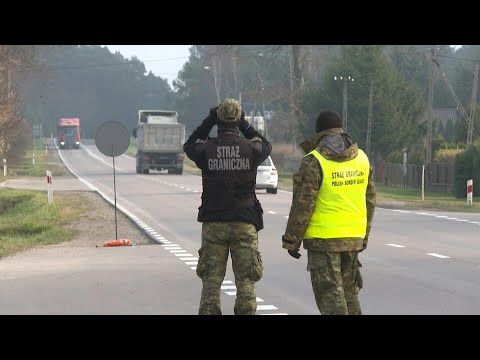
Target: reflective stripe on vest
x=340 y=210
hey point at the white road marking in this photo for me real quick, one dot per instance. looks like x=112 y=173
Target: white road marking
x=275 y=314
x=266 y=307
x=286 y=217
x=395 y=245
x=193 y=267
x=191 y=262
x=189 y=189
x=195 y=191
x=452 y=218
x=441 y=216
x=402 y=211
x=182 y=187
x=227 y=282
x=178 y=251
x=271 y=212
x=463 y=220
x=260 y=300
x=228 y=287
x=182 y=254
x=439 y=256
x=170 y=245
x=189 y=258
x=231 y=293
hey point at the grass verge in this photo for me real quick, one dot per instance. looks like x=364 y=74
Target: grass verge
x=27 y=220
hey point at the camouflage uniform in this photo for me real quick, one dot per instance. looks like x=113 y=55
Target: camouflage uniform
x=333 y=264
x=241 y=239
x=230 y=212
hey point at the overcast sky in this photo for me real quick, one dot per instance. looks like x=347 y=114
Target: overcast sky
x=162 y=60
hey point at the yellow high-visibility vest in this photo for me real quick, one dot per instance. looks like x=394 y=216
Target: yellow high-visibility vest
x=341 y=210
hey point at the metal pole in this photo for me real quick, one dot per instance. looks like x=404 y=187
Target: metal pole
x=114 y=193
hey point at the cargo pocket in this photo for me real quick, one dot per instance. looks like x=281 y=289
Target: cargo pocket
x=201 y=262
x=257 y=268
x=358 y=277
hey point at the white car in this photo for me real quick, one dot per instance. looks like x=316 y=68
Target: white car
x=267 y=176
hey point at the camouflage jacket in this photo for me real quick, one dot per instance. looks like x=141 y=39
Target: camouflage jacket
x=333 y=144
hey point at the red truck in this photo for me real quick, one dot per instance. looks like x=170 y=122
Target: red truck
x=68 y=133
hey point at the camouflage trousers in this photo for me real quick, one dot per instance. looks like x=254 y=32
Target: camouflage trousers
x=336 y=281
x=241 y=240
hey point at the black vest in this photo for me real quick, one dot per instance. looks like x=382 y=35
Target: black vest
x=229 y=181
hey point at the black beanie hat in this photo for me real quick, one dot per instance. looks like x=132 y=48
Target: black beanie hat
x=327 y=120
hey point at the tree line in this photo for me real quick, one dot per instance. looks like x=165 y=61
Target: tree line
x=288 y=84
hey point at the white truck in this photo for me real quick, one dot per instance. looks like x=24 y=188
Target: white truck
x=160 y=138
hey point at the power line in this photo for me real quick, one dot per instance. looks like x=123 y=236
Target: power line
x=107 y=65
x=457 y=58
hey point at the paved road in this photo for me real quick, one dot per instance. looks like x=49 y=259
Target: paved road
x=418 y=262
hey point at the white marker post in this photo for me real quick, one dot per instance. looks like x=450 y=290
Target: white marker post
x=470 y=192
x=423 y=182
x=5 y=167
x=33 y=161
x=49 y=187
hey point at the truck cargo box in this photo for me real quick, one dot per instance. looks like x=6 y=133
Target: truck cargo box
x=160 y=137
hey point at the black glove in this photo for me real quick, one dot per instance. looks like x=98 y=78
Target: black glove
x=212 y=118
x=244 y=124
x=295 y=253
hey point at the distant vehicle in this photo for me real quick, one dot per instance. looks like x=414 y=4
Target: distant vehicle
x=68 y=133
x=160 y=139
x=267 y=176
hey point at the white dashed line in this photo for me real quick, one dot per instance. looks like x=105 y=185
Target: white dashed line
x=178 y=251
x=195 y=191
x=173 y=247
x=403 y=211
x=439 y=256
x=452 y=218
x=189 y=189
x=395 y=245
x=441 y=216
x=182 y=254
x=193 y=267
x=271 y=212
x=463 y=220
x=191 y=262
x=182 y=187
x=189 y=258
x=266 y=307
x=228 y=287
x=170 y=245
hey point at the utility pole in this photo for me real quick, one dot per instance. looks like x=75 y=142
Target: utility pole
x=473 y=104
x=292 y=104
x=234 y=60
x=433 y=50
x=370 y=116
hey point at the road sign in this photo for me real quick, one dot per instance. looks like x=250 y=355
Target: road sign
x=112 y=138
